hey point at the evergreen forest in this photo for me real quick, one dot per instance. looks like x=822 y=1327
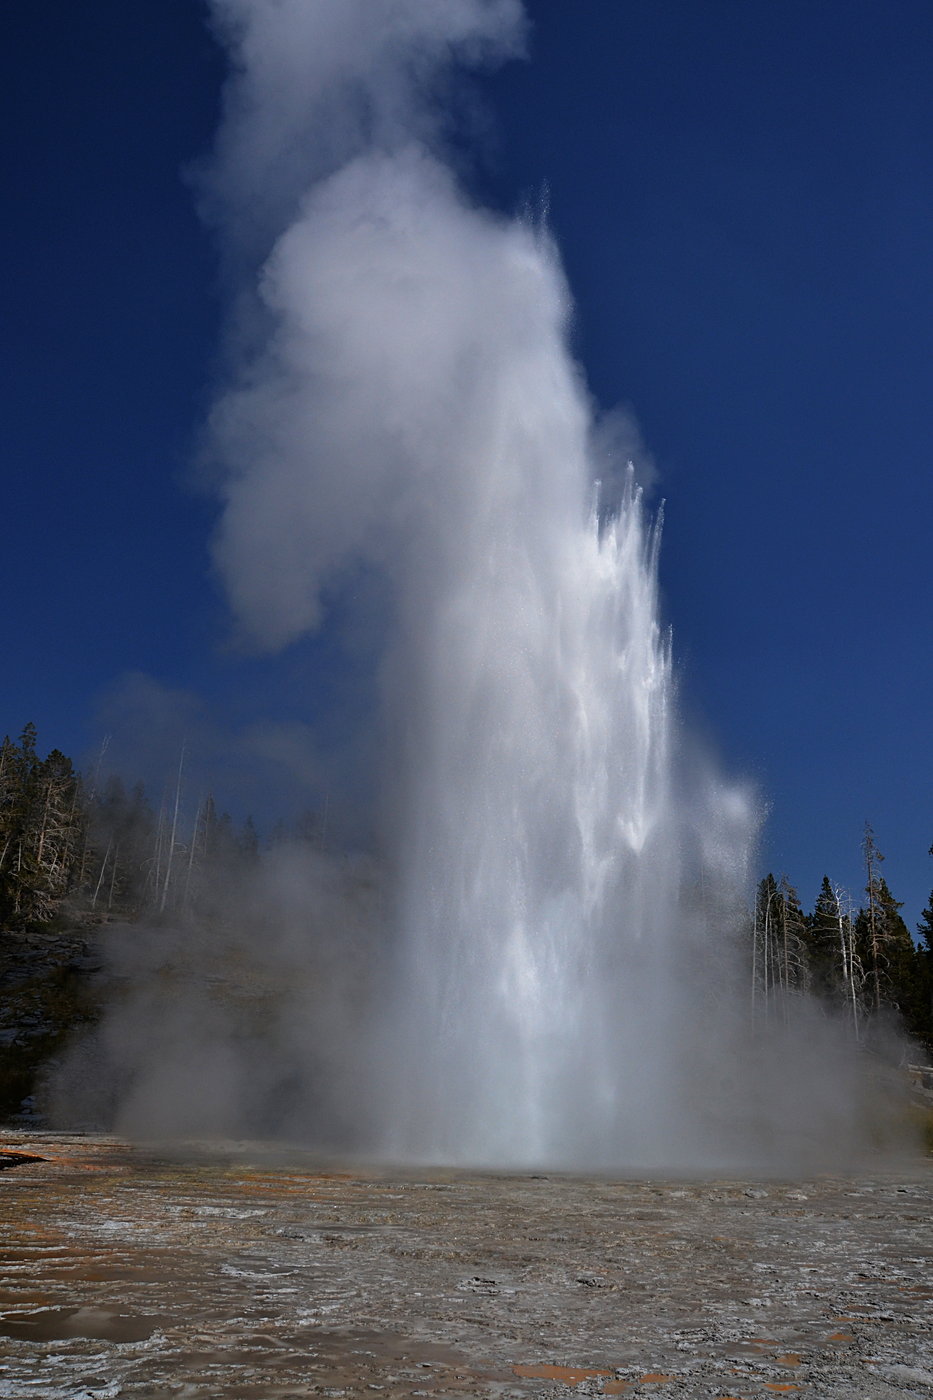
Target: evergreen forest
x=74 y=850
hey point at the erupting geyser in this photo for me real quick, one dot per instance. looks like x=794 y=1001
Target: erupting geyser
x=412 y=405
x=540 y=856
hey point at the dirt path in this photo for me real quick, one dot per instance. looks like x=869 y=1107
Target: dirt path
x=128 y=1274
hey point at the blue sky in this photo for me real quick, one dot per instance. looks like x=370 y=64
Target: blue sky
x=742 y=195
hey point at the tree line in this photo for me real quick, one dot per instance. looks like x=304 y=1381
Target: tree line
x=93 y=844
x=108 y=849
x=859 y=958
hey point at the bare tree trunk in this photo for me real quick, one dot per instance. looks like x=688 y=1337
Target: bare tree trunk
x=44 y=827
x=171 y=844
x=156 y=868
x=100 y=878
x=113 y=876
x=871 y=859
x=194 y=842
x=847 y=960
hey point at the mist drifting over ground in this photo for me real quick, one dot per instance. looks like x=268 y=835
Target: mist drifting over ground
x=546 y=969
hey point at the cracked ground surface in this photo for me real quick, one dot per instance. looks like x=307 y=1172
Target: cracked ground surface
x=130 y=1273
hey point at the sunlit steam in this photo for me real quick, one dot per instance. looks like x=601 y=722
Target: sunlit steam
x=558 y=979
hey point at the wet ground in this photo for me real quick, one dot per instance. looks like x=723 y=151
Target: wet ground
x=126 y=1273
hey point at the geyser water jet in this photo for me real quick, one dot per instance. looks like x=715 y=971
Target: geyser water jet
x=413 y=405
x=539 y=963
x=540 y=857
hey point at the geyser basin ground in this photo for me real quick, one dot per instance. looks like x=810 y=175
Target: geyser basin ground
x=131 y=1274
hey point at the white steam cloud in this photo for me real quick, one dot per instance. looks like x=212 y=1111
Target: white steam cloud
x=315 y=82
x=559 y=894
x=404 y=320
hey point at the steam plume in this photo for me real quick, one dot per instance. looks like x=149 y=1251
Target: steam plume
x=559 y=981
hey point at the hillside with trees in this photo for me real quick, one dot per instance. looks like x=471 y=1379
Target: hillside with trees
x=72 y=847
x=858 y=959
x=76 y=853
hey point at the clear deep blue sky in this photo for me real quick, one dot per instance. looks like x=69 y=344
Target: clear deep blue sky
x=744 y=199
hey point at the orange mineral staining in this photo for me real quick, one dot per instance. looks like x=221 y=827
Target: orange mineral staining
x=570 y=1375
x=575 y=1375
x=650 y=1378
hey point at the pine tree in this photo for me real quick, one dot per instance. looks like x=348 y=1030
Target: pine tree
x=900 y=953
x=925 y=928
x=116 y=863
x=837 y=970
x=779 y=960
x=871 y=922
x=248 y=842
x=54 y=832
x=41 y=825
x=925 y=974
x=12 y=811
x=763 y=945
x=823 y=940
x=885 y=944
x=794 y=963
